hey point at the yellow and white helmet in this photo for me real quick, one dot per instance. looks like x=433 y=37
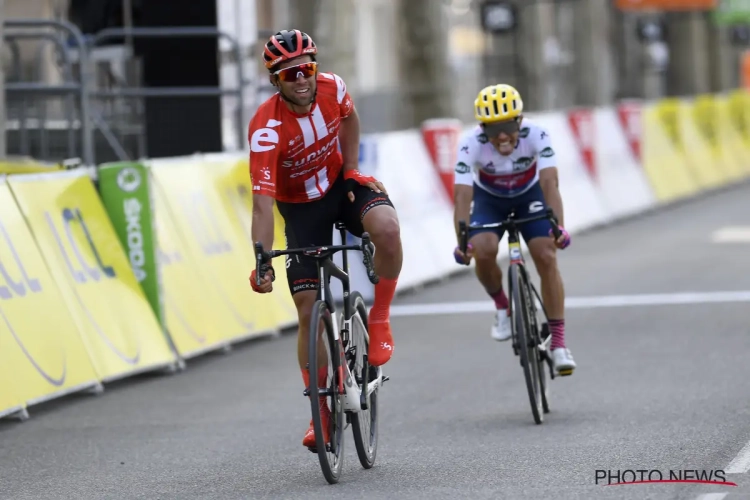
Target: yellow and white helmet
x=497 y=102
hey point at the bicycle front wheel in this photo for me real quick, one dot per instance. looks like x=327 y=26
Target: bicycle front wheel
x=522 y=325
x=364 y=422
x=325 y=350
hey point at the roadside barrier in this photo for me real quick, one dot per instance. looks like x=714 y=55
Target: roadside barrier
x=138 y=267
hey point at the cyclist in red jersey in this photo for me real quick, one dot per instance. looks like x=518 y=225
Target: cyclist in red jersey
x=295 y=161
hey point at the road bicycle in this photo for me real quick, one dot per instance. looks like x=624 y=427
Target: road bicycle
x=353 y=385
x=530 y=338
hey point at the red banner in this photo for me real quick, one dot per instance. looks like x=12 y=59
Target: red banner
x=630 y=119
x=441 y=138
x=584 y=129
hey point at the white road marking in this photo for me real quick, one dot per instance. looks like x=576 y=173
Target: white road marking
x=731 y=234
x=741 y=463
x=712 y=496
x=592 y=302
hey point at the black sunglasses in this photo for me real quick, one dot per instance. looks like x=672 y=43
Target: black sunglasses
x=494 y=129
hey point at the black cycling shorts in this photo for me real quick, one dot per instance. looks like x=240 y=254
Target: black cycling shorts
x=311 y=224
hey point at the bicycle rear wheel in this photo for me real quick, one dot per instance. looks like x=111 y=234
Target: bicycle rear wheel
x=322 y=344
x=522 y=325
x=365 y=422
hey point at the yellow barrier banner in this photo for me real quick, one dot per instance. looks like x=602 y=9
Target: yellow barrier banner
x=718 y=135
x=196 y=321
x=677 y=122
x=25 y=165
x=231 y=180
x=85 y=257
x=663 y=159
x=737 y=108
x=10 y=402
x=41 y=344
x=199 y=217
x=731 y=137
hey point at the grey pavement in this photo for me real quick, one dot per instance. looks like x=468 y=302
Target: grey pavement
x=657 y=387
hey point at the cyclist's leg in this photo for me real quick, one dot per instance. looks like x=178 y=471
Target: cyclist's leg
x=307 y=224
x=544 y=254
x=373 y=212
x=488 y=209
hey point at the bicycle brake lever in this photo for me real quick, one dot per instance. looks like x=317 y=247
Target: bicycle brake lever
x=463 y=236
x=553 y=222
x=260 y=267
x=258 y=258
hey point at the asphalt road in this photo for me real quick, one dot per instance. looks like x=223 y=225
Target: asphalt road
x=657 y=387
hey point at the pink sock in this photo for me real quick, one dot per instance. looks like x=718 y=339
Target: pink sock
x=557 y=329
x=501 y=301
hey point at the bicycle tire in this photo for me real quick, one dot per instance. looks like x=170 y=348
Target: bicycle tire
x=542 y=363
x=521 y=324
x=365 y=433
x=539 y=333
x=331 y=466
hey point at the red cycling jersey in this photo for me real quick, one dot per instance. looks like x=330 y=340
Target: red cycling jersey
x=295 y=157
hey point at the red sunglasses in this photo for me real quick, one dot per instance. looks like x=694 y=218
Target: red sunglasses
x=291 y=73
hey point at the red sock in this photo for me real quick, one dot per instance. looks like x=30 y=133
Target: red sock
x=384 y=292
x=501 y=301
x=322 y=377
x=557 y=329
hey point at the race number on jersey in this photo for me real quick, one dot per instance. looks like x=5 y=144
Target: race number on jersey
x=480 y=163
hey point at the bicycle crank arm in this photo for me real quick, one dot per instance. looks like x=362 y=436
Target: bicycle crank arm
x=322 y=392
x=544 y=345
x=377 y=383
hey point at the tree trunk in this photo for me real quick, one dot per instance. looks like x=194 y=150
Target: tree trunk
x=423 y=60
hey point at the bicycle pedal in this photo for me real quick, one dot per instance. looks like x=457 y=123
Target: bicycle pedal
x=384 y=379
x=306 y=393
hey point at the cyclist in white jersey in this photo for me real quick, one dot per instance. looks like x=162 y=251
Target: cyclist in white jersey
x=508 y=163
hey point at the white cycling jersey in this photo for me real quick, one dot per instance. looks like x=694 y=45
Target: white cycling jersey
x=479 y=162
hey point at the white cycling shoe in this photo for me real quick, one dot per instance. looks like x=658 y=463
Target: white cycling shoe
x=501 y=329
x=563 y=362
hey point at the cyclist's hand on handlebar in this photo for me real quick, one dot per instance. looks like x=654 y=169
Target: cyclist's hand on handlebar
x=266 y=283
x=564 y=240
x=463 y=258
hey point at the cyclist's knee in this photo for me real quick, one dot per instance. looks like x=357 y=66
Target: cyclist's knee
x=382 y=224
x=544 y=255
x=485 y=249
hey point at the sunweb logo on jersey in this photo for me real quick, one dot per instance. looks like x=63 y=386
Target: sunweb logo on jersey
x=129 y=179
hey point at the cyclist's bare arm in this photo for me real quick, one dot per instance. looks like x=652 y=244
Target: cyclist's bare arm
x=349 y=140
x=550 y=187
x=463 y=180
x=263 y=223
x=462 y=196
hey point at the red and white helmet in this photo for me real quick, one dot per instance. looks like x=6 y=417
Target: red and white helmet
x=287 y=44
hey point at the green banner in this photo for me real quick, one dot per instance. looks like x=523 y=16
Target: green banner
x=125 y=189
x=732 y=12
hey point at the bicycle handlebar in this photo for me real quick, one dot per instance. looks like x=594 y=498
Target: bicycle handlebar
x=463 y=229
x=262 y=257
